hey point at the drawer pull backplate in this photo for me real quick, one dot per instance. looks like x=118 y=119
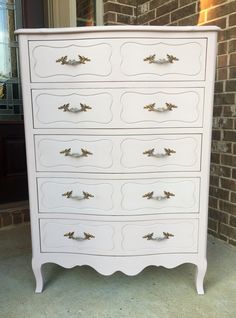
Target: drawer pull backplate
x=150 y=153
x=69 y=195
x=168 y=107
x=167 y=195
x=87 y=236
x=64 y=60
x=165 y=236
x=152 y=59
x=83 y=108
x=84 y=153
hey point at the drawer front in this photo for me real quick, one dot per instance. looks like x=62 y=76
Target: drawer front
x=119 y=238
x=82 y=108
x=73 y=153
x=161 y=153
x=118 y=153
x=69 y=60
x=118 y=197
x=152 y=237
x=151 y=59
x=56 y=236
x=118 y=108
x=163 y=107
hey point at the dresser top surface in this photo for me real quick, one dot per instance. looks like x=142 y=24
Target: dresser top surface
x=124 y=28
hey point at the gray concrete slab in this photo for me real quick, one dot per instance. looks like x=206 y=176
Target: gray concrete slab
x=82 y=292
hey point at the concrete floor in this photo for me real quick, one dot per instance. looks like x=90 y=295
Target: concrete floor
x=82 y=292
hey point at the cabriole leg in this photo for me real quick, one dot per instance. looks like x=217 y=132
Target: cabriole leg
x=37 y=269
x=200 y=274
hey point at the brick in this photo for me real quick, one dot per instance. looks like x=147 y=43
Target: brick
x=234 y=173
x=156 y=3
x=217 y=110
x=17 y=218
x=233 y=197
x=219 y=87
x=163 y=20
x=207 y=4
x=221 y=171
x=224 y=99
x=222 y=60
x=219 y=193
x=228 y=160
x=228 y=231
x=128 y=2
x=213 y=202
x=222 y=74
x=228 y=184
x=222 y=47
x=229 y=135
x=230 y=86
x=220 y=11
x=118 y=8
x=216 y=134
x=166 y=8
x=212 y=224
x=214 y=180
x=232 y=19
x=232 y=72
x=221 y=23
x=232 y=242
x=221 y=147
x=218 y=215
x=234 y=145
x=191 y=20
x=124 y=19
x=183 y=12
x=215 y=158
x=232 y=221
x=229 y=111
x=183 y=3
x=227 y=207
x=232 y=46
x=231 y=33
x=146 y=17
x=232 y=59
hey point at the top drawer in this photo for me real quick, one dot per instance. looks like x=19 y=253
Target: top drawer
x=118 y=60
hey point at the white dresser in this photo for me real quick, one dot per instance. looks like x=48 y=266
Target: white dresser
x=118 y=135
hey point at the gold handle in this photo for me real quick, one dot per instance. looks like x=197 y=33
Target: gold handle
x=167 y=195
x=84 y=153
x=150 y=153
x=165 y=236
x=87 y=236
x=152 y=59
x=64 y=60
x=86 y=195
x=83 y=108
x=168 y=107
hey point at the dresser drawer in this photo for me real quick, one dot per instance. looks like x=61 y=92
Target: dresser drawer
x=118 y=197
x=118 y=108
x=119 y=238
x=118 y=154
x=164 y=59
x=69 y=60
x=162 y=236
x=68 y=236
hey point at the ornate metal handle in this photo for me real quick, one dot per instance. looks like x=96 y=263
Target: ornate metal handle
x=83 y=108
x=168 y=107
x=84 y=153
x=150 y=153
x=64 y=60
x=165 y=236
x=169 y=59
x=167 y=195
x=87 y=236
x=86 y=195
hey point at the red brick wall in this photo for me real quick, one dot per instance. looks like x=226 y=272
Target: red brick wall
x=222 y=201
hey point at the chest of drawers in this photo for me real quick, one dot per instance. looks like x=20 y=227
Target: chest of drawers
x=118 y=134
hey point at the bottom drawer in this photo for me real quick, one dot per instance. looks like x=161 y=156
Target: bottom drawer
x=119 y=238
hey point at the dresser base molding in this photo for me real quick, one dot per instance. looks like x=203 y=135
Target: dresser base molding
x=130 y=266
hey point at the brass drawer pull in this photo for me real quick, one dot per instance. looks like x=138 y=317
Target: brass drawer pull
x=152 y=59
x=86 y=195
x=168 y=107
x=167 y=195
x=84 y=153
x=87 y=236
x=64 y=60
x=165 y=236
x=150 y=153
x=83 y=108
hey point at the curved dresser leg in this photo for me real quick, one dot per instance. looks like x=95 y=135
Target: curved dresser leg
x=200 y=274
x=37 y=269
